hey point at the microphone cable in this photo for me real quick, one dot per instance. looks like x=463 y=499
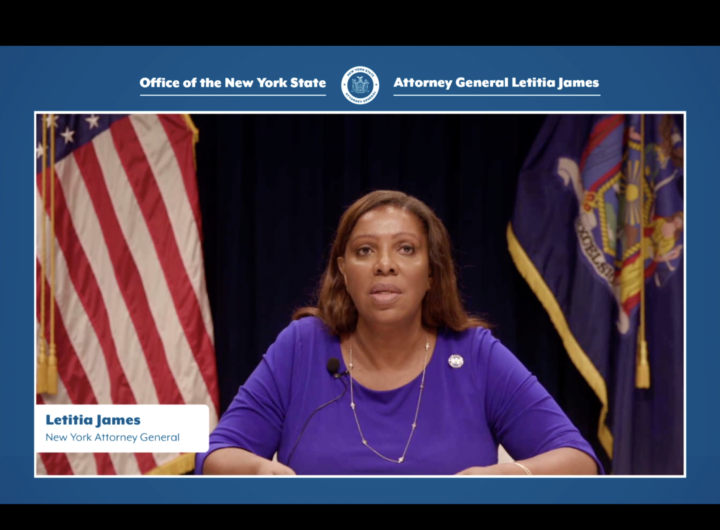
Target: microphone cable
x=333 y=366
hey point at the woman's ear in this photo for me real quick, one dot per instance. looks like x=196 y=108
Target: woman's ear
x=341 y=266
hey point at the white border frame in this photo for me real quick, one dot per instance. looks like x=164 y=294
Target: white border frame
x=184 y=477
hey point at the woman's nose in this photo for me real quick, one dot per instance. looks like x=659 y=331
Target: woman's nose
x=385 y=264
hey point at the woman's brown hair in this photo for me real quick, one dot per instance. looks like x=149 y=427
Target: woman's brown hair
x=442 y=305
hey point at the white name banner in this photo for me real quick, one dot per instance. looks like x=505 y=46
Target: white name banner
x=122 y=428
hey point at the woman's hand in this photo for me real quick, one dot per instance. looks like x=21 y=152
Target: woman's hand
x=497 y=469
x=270 y=467
x=236 y=461
x=562 y=461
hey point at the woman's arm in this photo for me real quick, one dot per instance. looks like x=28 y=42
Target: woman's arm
x=528 y=423
x=235 y=461
x=254 y=420
x=563 y=461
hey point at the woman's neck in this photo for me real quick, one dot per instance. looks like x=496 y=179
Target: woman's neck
x=389 y=346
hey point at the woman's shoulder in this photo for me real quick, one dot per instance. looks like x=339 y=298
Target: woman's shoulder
x=308 y=326
x=306 y=332
x=474 y=339
x=479 y=345
x=299 y=343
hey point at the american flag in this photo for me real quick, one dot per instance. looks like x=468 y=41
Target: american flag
x=132 y=321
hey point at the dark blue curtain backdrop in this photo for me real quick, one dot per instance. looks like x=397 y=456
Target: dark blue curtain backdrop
x=273 y=187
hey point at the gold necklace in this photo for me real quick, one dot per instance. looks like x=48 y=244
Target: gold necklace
x=417 y=411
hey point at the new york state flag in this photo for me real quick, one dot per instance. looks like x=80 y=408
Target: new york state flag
x=598 y=233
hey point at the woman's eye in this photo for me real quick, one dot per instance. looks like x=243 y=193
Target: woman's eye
x=407 y=249
x=363 y=251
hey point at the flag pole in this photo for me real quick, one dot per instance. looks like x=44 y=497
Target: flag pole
x=42 y=357
x=642 y=372
x=52 y=372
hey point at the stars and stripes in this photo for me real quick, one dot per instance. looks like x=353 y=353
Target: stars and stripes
x=132 y=317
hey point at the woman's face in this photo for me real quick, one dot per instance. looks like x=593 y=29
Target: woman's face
x=386 y=266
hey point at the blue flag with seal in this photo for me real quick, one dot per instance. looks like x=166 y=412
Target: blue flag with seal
x=598 y=234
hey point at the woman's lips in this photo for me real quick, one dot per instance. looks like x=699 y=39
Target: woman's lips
x=384 y=297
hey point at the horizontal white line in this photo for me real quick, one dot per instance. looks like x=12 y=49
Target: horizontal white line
x=508 y=112
x=353 y=477
x=493 y=95
x=236 y=95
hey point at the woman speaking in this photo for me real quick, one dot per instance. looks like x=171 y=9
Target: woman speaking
x=389 y=375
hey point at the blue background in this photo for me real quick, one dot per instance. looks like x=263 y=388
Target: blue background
x=107 y=80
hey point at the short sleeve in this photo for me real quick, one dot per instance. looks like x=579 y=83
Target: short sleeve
x=254 y=420
x=523 y=416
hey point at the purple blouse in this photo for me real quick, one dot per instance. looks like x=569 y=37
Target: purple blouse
x=465 y=412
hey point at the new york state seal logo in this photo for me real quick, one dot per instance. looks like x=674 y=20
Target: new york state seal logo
x=360 y=85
